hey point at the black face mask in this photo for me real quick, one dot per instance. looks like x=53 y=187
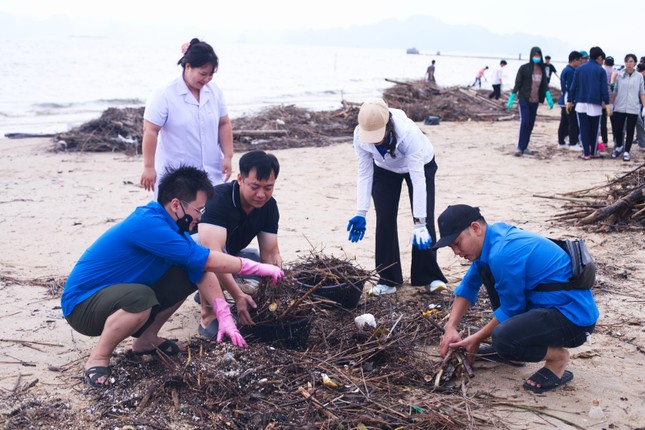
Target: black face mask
x=184 y=222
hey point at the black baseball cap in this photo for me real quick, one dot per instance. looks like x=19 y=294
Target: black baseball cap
x=454 y=220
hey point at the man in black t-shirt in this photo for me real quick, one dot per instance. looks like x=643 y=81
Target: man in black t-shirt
x=550 y=69
x=240 y=211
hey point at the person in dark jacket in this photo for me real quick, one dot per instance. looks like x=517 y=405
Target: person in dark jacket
x=588 y=92
x=531 y=88
x=568 y=120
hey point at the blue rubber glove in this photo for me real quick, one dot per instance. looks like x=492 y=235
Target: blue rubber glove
x=549 y=99
x=421 y=237
x=511 y=100
x=356 y=228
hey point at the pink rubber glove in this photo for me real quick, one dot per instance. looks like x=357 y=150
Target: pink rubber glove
x=250 y=267
x=226 y=324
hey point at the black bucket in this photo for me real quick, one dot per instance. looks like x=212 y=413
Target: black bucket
x=290 y=334
x=346 y=294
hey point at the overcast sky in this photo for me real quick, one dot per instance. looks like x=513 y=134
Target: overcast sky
x=582 y=22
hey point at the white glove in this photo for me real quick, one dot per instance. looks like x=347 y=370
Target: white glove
x=421 y=237
x=643 y=112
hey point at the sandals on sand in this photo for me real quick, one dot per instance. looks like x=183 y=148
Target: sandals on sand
x=93 y=374
x=167 y=347
x=488 y=353
x=546 y=380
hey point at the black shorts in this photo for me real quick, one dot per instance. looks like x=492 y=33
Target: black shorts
x=89 y=316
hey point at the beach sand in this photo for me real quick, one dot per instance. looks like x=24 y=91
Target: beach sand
x=53 y=205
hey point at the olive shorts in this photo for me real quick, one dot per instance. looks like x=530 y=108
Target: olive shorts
x=89 y=316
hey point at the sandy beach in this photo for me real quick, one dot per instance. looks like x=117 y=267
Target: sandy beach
x=54 y=205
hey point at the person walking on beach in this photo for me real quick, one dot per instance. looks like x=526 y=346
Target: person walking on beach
x=497 y=81
x=550 y=69
x=628 y=100
x=187 y=121
x=391 y=149
x=530 y=88
x=239 y=212
x=604 y=132
x=540 y=309
x=588 y=93
x=430 y=73
x=479 y=76
x=139 y=272
x=568 y=120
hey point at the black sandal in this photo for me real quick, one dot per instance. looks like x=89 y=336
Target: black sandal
x=93 y=374
x=167 y=347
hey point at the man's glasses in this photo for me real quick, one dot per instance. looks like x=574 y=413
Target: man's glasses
x=199 y=211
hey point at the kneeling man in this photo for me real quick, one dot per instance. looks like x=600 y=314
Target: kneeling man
x=539 y=308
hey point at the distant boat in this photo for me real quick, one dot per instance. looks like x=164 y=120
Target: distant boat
x=414 y=51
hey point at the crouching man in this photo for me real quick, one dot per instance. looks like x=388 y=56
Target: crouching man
x=138 y=273
x=539 y=307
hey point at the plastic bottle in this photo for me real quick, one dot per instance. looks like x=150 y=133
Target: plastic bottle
x=596 y=412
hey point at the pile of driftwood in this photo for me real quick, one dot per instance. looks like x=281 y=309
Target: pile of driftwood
x=281 y=127
x=385 y=376
x=420 y=100
x=617 y=205
x=117 y=130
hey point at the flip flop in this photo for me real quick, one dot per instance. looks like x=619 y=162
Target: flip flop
x=93 y=374
x=488 y=353
x=167 y=347
x=209 y=332
x=547 y=380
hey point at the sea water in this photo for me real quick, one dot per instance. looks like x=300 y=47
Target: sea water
x=51 y=85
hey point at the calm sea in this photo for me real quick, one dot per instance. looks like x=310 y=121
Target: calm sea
x=52 y=85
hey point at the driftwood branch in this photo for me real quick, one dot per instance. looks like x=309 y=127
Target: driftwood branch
x=621 y=205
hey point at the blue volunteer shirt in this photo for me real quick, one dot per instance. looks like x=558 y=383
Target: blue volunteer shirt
x=139 y=250
x=519 y=261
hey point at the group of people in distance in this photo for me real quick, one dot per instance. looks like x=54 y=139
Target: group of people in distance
x=194 y=237
x=593 y=90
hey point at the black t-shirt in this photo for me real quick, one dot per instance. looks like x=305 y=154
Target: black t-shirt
x=225 y=210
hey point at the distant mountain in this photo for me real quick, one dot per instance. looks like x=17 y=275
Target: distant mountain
x=429 y=34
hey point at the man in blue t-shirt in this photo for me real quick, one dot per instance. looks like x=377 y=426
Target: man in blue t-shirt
x=138 y=273
x=239 y=212
x=533 y=319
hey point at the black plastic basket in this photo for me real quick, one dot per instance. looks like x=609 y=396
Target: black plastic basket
x=346 y=294
x=290 y=334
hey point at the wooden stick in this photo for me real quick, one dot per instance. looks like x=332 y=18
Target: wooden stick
x=316 y=403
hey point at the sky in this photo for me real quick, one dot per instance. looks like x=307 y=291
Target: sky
x=581 y=22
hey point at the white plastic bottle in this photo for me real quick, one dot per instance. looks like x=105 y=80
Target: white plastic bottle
x=596 y=412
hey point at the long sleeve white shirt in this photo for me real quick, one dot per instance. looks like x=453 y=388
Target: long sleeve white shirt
x=413 y=151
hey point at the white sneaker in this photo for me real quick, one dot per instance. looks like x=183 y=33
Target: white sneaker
x=616 y=152
x=381 y=290
x=436 y=286
x=626 y=156
x=576 y=148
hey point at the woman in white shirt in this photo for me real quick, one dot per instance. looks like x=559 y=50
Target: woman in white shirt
x=390 y=149
x=187 y=122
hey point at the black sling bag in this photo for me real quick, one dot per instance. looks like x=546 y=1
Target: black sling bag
x=582 y=266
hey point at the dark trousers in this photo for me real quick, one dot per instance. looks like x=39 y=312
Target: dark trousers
x=589 y=132
x=386 y=192
x=568 y=127
x=626 y=121
x=603 y=127
x=527 y=336
x=497 y=92
x=528 y=113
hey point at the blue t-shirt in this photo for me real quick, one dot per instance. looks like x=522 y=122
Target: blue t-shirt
x=140 y=249
x=519 y=261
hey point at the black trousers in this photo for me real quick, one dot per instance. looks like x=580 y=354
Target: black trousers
x=568 y=127
x=627 y=122
x=497 y=92
x=386 y=193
